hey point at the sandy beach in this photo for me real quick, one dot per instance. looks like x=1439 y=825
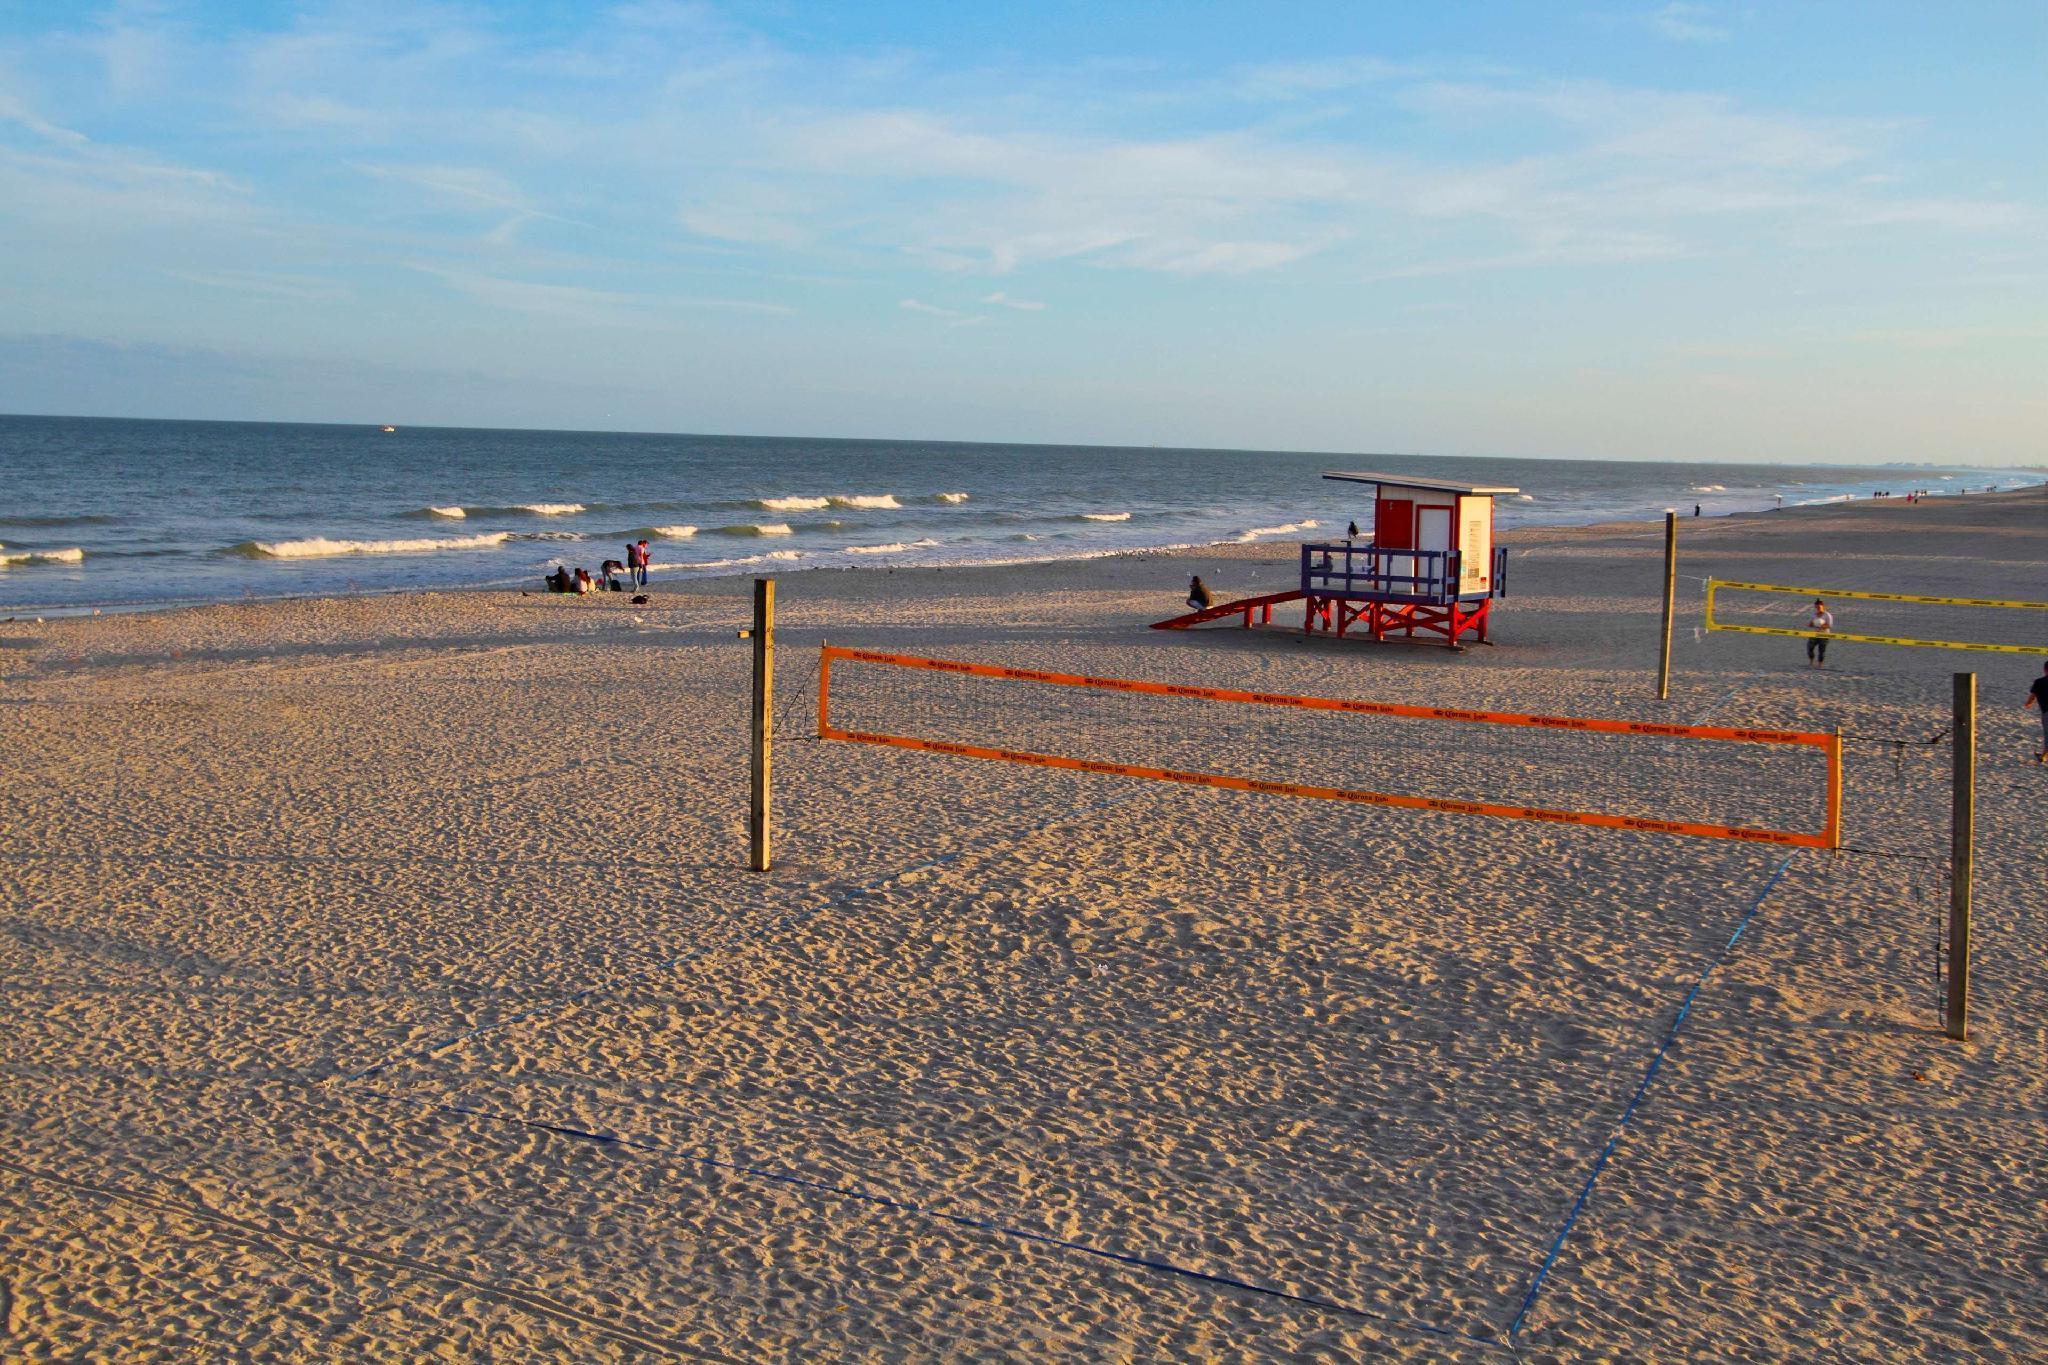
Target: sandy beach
x=384 y=980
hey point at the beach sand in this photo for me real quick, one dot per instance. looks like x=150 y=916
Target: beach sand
x=340 y=934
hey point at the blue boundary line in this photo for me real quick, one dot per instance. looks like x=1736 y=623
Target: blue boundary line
x=1656 y=1061
x=823 y=1187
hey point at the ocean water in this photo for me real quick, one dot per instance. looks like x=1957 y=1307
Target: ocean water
x=121 y=513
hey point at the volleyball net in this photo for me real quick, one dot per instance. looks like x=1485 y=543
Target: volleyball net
x=1717 y=782
x=1881 y=618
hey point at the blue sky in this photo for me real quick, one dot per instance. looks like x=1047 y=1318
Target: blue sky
x=1668 y=230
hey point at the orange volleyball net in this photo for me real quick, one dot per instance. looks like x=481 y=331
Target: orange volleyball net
x=1733 y=772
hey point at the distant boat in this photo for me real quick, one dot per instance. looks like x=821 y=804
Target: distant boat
x=391 y=428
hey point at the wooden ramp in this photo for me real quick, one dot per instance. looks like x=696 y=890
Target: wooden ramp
x=1244 y=606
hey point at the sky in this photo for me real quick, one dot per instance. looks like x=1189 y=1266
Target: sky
x=1691 y=231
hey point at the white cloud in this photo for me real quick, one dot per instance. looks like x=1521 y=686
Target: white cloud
x=13 y=110
x=931 y=309
x=1684 y=23
x=1004 y=300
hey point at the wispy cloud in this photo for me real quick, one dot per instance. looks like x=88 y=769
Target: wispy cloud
x=1684 y=23
x=1000 y=299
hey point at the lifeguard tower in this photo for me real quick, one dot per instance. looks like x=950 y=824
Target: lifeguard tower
x=1431 y=567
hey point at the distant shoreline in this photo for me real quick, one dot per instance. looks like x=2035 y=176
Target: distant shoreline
x=1271 y=550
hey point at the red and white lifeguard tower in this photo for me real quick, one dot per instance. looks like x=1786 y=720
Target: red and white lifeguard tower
x=1430 y=566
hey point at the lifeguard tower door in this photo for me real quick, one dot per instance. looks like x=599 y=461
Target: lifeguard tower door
x=1432 y=532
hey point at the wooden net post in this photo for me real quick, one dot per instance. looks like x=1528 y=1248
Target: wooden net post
x=1962 y=820
x=1670 y=596
x=763 y=635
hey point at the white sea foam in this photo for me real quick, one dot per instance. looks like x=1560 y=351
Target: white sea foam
x=451 y=513
x=874 y=502
x=770 y=528
x=320 y=547
x=1261 y=532
x=950 y=497
x=550 y=509
x=792 y=504
x=1710 y=488
x=893 y=548
x=29 y=558
x=771 y=557
x=1105 y=516
x=674 y=532
x=1525 y=497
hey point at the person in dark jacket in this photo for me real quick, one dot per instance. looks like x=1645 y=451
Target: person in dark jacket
x=1199 y=596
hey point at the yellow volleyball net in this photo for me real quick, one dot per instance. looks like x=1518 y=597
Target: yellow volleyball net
x=2000 y=627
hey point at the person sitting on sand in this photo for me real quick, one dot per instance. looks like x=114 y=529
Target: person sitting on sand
x=2038 y=695
x=1199 y=596
x=559 y=580
x=583 y=583
x=1820 y=622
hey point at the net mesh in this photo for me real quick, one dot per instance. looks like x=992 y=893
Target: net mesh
x=1771 y=787
x=1930 y=622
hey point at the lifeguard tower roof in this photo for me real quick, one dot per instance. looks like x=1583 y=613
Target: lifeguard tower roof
x=1464 y=490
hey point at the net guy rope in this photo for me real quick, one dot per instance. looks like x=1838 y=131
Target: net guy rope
x=1830 y=745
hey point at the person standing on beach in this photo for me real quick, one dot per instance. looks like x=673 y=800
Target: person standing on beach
x=637 y=556
x=2037 y=695
x=1820 y=623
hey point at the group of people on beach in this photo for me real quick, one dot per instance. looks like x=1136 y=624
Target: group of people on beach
x=613 y=575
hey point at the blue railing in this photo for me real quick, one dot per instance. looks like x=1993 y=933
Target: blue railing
x=1343 y=568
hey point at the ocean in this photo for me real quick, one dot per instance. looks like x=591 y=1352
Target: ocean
x=115 y=513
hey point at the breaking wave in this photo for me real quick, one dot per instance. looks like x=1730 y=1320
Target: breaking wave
x=893 y=548
x=878 y=502
x=451 y=513
x=1105 y=516
x=320 y=547
x=28 y=558
x=1261 y=532
x=949 y=497
x=771 y=557
x=1710 y=488
x=772 y=528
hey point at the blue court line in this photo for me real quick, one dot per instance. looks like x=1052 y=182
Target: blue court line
x=1222 y=1280
x=1656 y=1061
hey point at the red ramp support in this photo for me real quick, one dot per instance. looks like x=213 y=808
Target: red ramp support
x=1245 y=606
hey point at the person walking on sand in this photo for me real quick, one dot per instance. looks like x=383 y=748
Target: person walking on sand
x=1199 y=596
x=2037 y=695
x=1820 y=623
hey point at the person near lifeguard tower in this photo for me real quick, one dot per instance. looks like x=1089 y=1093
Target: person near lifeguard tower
x=1199 y=596
x=2037 y=695
x=1820 y=623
